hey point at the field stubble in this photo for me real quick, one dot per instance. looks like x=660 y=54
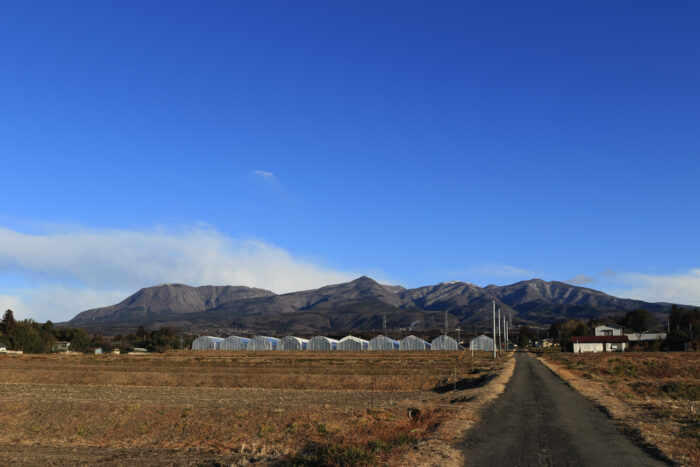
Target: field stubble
x=655 y=395
x=231 y=407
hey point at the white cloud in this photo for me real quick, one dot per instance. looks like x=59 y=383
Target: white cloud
x=58 y=303
x=86 y=268
x=269 y=176
x=14 y=303
x=681 y=288
x=580 y=279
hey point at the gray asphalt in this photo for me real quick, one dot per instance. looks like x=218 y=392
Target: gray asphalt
x=540 y=421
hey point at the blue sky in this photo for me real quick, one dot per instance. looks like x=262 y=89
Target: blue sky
x=293 y=144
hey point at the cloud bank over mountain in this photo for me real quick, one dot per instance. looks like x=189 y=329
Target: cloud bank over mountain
x=69 y=271
x=53 y=275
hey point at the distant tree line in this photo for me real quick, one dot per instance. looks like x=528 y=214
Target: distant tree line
x=32 y=337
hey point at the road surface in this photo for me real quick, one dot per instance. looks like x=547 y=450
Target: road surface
x=540 y=421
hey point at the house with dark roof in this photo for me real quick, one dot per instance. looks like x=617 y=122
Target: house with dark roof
x=599 y=343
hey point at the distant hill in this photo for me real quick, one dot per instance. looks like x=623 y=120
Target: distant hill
x=359 y=305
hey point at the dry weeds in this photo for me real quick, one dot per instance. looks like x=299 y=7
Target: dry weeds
x=276 y=407
x=655 y=395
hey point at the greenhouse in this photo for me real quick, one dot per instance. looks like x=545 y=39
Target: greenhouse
x=207 y=343
x=444 y=343
x=263 y=343
x=292 y=343
x=235 y=343
x=413 y=343
x=322 y=343
x=352 y=343
x=383 y=343
x=481 y=343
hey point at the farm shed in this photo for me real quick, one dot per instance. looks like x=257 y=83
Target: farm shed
x=205 y=343
x=646 y=337
x=444 y=343
x=292 y=343
x=263 y=343
x=381 y=342
x=481 y=343
x=352 y=343
x=322 y=343
x=413 y=343
x=235 y=343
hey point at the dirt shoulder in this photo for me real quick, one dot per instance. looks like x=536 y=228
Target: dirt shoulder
x=442 y=447
x=658 y=422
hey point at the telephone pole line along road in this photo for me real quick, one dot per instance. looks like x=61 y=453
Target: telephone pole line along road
x=540 y=421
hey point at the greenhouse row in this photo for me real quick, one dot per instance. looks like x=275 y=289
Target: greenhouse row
x=323 y=343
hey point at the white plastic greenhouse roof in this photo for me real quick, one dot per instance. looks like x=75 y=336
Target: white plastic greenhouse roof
x=444 y=343
x=382 y=342
x=207 y=343
x=263 y=343
x=481 y=343
x=413 y=343
x=235 y=343
x=352 y=343
x=292 y=343
x=322 y=343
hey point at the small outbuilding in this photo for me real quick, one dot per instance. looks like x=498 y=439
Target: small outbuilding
x=444 y=343
x=352 y=343
x=646 y=336
x=482 y=342
x=322 y=343
x=382 y=342
x=235 y=343
x=60 y=347
x=263 y=343
x=292 y=343
x=203 y=343
x=413 y=343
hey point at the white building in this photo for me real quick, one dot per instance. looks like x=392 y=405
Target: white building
x=646 y=336
x=599 y=343
x=608 y=330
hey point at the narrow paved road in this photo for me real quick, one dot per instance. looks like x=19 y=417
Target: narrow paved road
x=539 y=420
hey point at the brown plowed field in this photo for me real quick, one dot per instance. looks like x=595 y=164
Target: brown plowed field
x=183 y=408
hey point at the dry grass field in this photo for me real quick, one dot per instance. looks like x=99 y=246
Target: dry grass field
x=204 y=408
x=654 y=394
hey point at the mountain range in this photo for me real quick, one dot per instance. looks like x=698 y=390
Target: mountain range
x=360 y=305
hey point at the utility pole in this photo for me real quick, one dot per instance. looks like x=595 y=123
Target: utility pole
x=494 y=328
x=459 y=335
x=446 y=323
x=385 y=334
x=505 y=335
x=500 y=339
